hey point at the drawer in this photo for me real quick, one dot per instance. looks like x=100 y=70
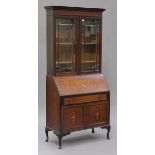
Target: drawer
x=85 y=99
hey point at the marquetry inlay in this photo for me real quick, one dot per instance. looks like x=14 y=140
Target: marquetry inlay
x=73 y=118
x=81 y=84
x=77 y=94
x=97 y=114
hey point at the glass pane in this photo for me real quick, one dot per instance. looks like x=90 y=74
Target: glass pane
x=89 y=45
x=65 y=45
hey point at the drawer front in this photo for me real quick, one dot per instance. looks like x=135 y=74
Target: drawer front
x=72 y=117
x=85 y=99
x=97 y=113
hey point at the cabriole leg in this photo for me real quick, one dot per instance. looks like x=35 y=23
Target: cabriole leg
x=108 y=130
x=93 y=131
x=46 y=132
x=60 y=138
x=108 y=127
x=60 y=135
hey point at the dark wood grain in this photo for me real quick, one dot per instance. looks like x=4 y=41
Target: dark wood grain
x=85 y=99
x=97 y=114
x=74 y=101
x=74 y=85
x=82 y=112
x=74 y=13
x=72 y=118
x=73 y=8
x=52 y=104
x=77 y=13
x=50 y=44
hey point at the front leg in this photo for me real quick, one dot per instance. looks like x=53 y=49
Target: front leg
x=60 y=135
x=46 y=132
x=108 y=127
x=108 y=130
x=93 y=131
x=60 y=138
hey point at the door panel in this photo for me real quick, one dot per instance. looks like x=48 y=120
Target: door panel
x=90 y=45
x=72 y=117
x=66 y=42
x=97 y=113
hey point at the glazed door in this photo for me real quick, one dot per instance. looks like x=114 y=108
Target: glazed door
x=90 y=45
x=66 y=44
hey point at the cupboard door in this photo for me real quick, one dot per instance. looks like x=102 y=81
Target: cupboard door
x=72 y=117
x=97 y=113
x=90 y=44
x=66 y=42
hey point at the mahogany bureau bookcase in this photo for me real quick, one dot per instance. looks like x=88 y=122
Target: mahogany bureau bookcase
x=77 y=95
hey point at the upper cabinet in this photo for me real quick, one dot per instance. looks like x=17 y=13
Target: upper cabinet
x=74 y=40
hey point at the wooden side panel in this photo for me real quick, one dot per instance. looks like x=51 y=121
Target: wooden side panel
x=52 y=105
x=50 y=43
x=97 y=114
x=73 y=117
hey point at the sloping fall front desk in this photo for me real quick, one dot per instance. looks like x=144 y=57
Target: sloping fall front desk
x=76 y=103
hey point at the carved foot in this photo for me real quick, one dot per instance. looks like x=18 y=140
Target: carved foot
x=93 y=131
x=46 y=132
x=60 y=135
x=108 y=130
x=60 y=138
x=108 y=127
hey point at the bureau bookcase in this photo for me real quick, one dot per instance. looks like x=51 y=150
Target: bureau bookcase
x=77 y=95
